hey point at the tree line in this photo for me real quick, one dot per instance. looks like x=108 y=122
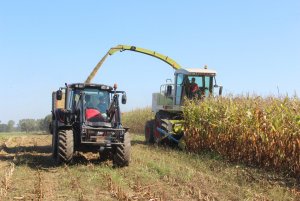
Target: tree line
x=26 y=125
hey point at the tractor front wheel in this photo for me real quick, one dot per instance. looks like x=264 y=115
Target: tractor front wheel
x=121 y=156
x=105 y=155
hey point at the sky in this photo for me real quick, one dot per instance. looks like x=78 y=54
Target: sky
x=253 y=45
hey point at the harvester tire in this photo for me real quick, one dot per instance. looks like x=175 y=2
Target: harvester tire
x=121 y=156
x=65 y=149
x=149 y=138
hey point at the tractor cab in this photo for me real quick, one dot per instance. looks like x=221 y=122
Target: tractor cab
x=88 y=102
x=90 y=121
x=191 y=83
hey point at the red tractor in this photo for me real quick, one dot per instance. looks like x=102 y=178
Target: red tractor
x=89 y=120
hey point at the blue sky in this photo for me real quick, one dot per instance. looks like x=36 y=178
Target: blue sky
x=253 y=45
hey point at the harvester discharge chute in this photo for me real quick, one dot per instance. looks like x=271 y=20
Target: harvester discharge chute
x=122 y=48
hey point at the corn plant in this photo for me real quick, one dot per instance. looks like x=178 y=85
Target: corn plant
x=136 y=119
x=251 y=129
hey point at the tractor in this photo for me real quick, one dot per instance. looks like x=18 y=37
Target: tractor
x=87 y=118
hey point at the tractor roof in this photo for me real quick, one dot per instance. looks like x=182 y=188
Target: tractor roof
x=196 y=71
x=90 y=85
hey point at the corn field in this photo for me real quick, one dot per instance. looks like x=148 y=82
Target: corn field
x=136 y=119
x=263 y=132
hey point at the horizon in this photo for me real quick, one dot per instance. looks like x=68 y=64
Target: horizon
x=254 y=47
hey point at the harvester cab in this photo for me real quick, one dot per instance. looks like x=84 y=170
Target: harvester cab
x=90 y=120
x=190 y=83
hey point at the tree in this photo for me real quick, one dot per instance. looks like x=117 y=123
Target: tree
x=28 y=125
x=43 y=124
x=10 y=126
x=3 y=128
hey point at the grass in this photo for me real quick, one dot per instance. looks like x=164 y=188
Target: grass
x=155 y=172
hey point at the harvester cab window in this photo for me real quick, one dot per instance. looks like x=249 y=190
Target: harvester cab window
x=179 y=87
x=202 y=86
x=209 y=85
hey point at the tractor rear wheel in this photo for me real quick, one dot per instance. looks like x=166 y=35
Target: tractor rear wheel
x=65 y=149
x=54 y=140
x=121 y=156
x=54 y=145
x=149 y=138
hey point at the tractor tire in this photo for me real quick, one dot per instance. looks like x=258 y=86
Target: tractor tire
x=105 y=155
x=121 y=155
x=54 y=140
x=65 y=148
x=54 y=145
x=149 y=138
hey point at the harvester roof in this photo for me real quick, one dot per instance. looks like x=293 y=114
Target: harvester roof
x=196 y=71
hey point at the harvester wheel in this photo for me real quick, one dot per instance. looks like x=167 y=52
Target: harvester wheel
x=121 y=156
x=165 y=126
x=149 y=138
x=65 y=149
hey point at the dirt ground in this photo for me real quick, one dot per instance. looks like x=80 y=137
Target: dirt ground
x=27 y=172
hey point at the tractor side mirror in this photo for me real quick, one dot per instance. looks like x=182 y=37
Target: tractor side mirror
x=58 y=95
x=124 y=98
x=220 y=90
x=169 y=90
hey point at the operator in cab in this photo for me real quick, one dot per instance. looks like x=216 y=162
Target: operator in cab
x=97 y=103
x=194 y=88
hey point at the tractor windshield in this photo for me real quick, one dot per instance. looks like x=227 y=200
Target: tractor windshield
x=96 y=103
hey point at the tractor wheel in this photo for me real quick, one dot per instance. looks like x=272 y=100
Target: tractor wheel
x=54 y=140
x=65 y=149
x=54 y=145
x=105 y=155
x=121 y=156
x=149 y=138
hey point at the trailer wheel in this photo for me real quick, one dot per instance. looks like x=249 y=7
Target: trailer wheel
x=121 y=156
x=65 y=149
x=149 y=138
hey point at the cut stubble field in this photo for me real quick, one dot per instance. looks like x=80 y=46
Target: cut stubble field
x=27 y=172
